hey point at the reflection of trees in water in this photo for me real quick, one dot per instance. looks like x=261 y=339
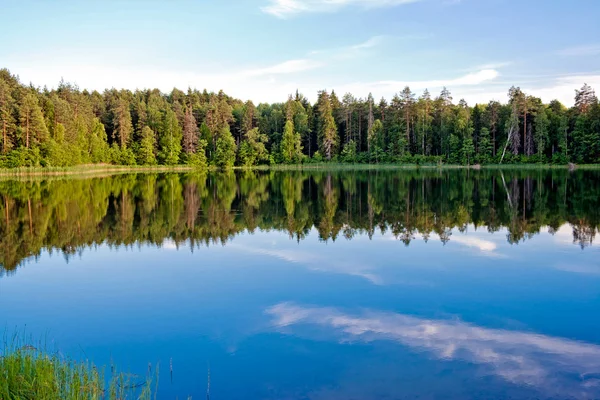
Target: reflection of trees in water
x=69 y=214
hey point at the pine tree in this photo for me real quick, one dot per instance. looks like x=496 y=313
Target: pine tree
x=7 y=121
x=248 y=120
x=32 y=121
x=122 y=123
x=541 y=132
x=225 y=149
x=407 y=99
x=98 y=142
x=468 y=149
x=190 y=132
x=170 y=139
x=376 y=141
x=145 y=154
x=485 y=146
x=585 y=98
x=328 y=135
x=291 y=144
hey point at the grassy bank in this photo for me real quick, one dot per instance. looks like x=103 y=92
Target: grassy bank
x=107 y=170
x=92 y=169
x=27 y=373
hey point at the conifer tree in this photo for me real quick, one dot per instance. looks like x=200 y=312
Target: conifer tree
x=190 y=132
x=145 y=154
x=328 y=135
x=7 y=121
x=34 y=128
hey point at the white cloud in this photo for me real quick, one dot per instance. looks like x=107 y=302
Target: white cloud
x=581 y=51
x=388 y=88
x=258 y=84
x=563 y=88
x=545 y=362
x=286 y=67
x=287 y=8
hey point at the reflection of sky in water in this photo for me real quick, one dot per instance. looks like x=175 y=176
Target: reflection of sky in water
x=476 y=317
x=522 y=358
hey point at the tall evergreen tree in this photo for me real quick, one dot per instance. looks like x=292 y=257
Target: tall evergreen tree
x=7 y=120
x=190 y=132
x=34 y=128
x=328 y=135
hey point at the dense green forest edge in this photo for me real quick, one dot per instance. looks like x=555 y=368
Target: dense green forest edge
x=66 y=127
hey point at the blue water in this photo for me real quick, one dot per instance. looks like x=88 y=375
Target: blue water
x=275 y=318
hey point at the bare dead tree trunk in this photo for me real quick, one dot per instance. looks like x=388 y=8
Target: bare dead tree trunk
x=510 y=134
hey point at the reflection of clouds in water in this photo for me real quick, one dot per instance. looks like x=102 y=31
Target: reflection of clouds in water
x=169 y=244
x=579 y=269
x=472 y=240
x=563 y=235
x=573 y=235
x=485 y=247
x=558 y=365
x=317 y=263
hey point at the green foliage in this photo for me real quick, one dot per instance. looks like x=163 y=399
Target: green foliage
x=198 y=159
x=252 y=150
x=376 y=142
x=317 y=157
x=468 y=150
x=21 y=157
x=541 y=133
x=328 y=134
x=484 y=155
x=291 y=145
x=349 y=152
x=145 y=154
x=170 y=140
x=29 y=373
x=72 y=127
x=225 y=151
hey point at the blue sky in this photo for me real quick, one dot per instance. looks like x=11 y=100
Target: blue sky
x=264 y=49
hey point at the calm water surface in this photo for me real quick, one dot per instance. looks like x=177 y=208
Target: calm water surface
x=315 y=285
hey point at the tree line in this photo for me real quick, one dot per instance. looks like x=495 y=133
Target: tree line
x=67 y=126
x=202 y=208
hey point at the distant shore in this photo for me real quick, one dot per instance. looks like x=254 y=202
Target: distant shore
x=105 y=169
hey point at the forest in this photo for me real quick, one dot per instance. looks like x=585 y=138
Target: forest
x=211 y=207
x=67 y=126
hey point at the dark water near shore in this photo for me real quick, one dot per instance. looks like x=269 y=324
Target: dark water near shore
x=315 y=285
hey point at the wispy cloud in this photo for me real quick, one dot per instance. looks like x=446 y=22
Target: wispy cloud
x=286 y=67
x=288 y=8
x=317 y=263
x=490 y=65
x=388 y=88
x=581 y=51
x=350 y=51
x=564 y=366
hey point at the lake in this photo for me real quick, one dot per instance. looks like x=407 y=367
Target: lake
x=366 y=284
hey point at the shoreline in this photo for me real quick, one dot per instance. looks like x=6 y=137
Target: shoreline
x=109 y=170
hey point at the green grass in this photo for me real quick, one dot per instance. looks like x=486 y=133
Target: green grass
x=91 y=169
x=106 y=169
x=28 y=373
